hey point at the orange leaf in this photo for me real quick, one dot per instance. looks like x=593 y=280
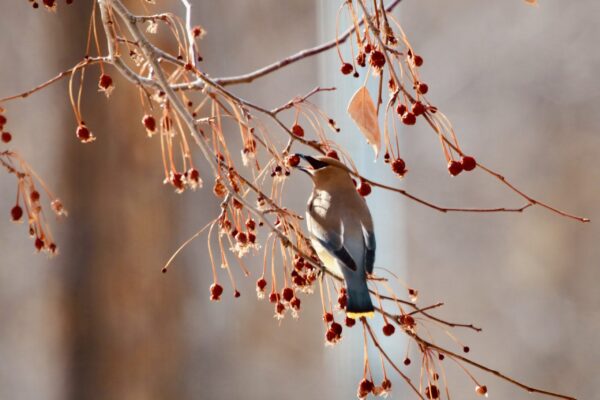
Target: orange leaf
x=363 y=112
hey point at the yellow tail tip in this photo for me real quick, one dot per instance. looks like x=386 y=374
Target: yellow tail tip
x=358 y=315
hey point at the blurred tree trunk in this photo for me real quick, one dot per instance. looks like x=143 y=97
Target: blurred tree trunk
x=123 y=315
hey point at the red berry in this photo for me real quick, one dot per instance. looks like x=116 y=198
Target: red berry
x=333 y=154
x=330 y=336
x=237 y=204
x=361 y=59
x=386 y=385
x=84 y=134
x=34 y=196
x=299 y=280
x=418 y=108
x=299 y=263
x=280 y=308
x=295 y=303
x=407 y=361
x=16 y=213
x=261 y=284
x=350 y=322
x=177 y=182
x=454 y=167
x=401 y=109
x=336 y=328
x=242 y=238
x=251 y=224
x=418 y=60
x=422 y=88
x=466 y=349
x=105 y=82
x=274 y=297
x=377 y=59
x=287 y=294
x=368 y=48
x=39 y=244
x=216 y=291
x=194 y=176
x=149 y=122
x=481 y=390
x=6 y=137
x=388 y=329
x=237 y=294
x=2 y=121
x=219 y=189
x=293 y=160
x=342 y=300
x=364 y=189
x=432 y=392
x=409 y=118
x=399 y=166
x=52 y=247
x=346 y=68
x=297 y=130
x=328 y=317
x=468 y=163
x=197 y=31
x=366 y=386
x=49 y=3
x=407 y=321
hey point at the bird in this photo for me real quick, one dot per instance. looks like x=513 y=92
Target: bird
x=340 y=229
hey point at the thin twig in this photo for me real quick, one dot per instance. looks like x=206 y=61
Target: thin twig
x=389 y=360
x=302 y=99
x=249 y=77
x=64 y=74
x=482 y=367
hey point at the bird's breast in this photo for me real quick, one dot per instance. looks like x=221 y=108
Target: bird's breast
x=320 y=203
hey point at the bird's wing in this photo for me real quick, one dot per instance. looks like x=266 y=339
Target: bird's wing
x=369 y=237
x=332 y=239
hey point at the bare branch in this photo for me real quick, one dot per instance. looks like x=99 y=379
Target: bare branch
x=249 y=77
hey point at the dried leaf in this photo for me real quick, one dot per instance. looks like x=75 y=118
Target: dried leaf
x=363 y=112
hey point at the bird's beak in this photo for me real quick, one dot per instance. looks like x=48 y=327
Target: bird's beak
x=300 y=167
x=313 y=162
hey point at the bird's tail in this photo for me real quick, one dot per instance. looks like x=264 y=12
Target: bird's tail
x=359 y=301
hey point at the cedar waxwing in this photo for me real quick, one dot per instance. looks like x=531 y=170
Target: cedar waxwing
x=341 y=230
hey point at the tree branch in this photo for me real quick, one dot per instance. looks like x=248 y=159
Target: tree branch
x=249 y=77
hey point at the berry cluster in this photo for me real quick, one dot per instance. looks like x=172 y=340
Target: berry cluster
x=48 y=4
x=5 y=136
x=366 y=387
x=333 y=333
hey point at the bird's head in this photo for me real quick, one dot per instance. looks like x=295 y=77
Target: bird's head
x=322 y=169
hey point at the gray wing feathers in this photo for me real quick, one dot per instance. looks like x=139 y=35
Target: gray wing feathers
x=370 y=254
x=346 y=232
x=332 y=239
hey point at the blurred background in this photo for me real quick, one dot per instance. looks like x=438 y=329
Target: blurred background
x=100 y=321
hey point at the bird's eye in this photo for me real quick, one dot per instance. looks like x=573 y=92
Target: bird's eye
x=319 y=164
